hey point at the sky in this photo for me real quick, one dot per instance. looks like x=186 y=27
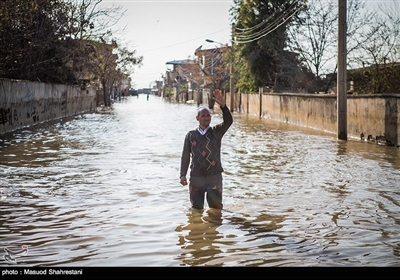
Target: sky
x=167 y=30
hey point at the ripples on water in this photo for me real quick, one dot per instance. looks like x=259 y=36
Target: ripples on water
x=103 y=190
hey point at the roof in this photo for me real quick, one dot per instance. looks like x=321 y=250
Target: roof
x=182 y=61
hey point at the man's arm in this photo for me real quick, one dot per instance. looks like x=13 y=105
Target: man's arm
x=185 y=160
x=226 y=113
x=227 y=117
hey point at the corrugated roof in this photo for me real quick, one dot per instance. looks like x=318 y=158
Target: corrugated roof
x=182 y=61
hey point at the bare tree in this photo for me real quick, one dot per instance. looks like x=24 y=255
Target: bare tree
x=315 y=36
x=361 y=25
x=90 y=21
x=380 y=50
x=110 y=64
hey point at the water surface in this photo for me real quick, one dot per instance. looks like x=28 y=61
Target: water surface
x=103 y=190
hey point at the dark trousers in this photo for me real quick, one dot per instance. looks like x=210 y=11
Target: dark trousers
x=210 y=185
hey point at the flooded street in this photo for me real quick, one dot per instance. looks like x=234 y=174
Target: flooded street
x=103 y=190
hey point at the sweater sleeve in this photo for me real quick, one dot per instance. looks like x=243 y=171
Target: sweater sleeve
x=227 y=119
x=185 y=157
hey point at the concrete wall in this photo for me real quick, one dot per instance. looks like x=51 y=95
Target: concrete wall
x=24 y=103
x=375 y=115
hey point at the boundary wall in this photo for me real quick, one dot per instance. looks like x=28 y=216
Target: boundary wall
x=25 y=103
x=372 y=117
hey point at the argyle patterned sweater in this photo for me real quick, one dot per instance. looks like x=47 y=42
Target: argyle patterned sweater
x=203 y=152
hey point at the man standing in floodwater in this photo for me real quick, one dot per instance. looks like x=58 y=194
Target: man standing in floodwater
x=202 y=149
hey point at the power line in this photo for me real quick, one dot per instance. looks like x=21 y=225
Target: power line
x=181 y=43
x=250 y=29
x=242 y=39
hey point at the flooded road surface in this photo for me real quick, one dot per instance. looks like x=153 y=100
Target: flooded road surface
x=103 y=190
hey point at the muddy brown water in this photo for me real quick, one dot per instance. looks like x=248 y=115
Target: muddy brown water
x=103 y=190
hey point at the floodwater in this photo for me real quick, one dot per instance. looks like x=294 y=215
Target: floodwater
x=103 y=190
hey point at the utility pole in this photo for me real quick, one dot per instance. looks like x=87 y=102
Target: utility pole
x=231 y=86
x=177 y=89
x=342 y=72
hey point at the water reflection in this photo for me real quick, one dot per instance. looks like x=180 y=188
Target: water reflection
x=199 y=241
x=221 y=237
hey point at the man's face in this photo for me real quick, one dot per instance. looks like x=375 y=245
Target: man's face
x=204 y=118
